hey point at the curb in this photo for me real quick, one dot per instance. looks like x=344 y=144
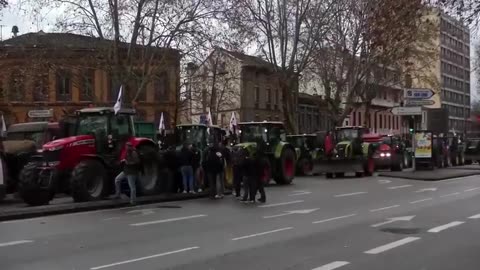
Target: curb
x=437 y=178
x=49 y=210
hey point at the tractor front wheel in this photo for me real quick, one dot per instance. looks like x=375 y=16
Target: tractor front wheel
x=36 y=187
x=149 y=182
x=286 y=170
x=89 y=181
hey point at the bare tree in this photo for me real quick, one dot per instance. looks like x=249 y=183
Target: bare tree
x=138 y=32
x=286 y=33
x=368 y=45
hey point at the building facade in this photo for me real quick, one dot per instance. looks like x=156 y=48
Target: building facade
x=59 y=73
x=231 y=82
x=454 y=53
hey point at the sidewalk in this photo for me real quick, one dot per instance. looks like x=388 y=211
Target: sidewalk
x=433 y=175
x=13 y=209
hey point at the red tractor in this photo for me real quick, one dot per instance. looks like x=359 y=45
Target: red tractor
x=86 y=163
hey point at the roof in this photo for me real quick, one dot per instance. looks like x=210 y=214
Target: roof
x=248 y=60
x=28 y=127
x=61 y=40
x=103 y=109
x=262 y=123
x=197 y=125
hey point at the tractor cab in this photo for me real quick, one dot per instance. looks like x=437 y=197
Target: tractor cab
x=197 y=134
x=111 y=131
x=307 y=141
x=350 y=134
x=270 y=133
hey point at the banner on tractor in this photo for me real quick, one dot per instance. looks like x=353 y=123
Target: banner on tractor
x=423 y=144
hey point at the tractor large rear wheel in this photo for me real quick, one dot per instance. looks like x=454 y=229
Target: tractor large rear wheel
x=36 y=187
x=286 y=169
x=149 y=180
x=89 y=181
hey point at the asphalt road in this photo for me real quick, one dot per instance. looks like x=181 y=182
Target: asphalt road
x=368 y=223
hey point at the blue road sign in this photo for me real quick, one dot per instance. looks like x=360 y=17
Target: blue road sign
x=419 y=93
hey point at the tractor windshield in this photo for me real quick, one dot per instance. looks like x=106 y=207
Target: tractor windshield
x=265 y=132
x=38 y=137
x=347 y=134
x=88 y=123
x=191 y=134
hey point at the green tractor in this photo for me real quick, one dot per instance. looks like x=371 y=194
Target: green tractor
x=199 y=135
x=352 y=153
x=307 y=150
x=271 y=138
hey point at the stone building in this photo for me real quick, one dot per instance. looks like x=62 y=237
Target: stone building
x=229 y=82
x=45 y=75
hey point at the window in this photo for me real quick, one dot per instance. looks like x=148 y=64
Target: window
x=87 y=85
x=360 y=119
x=390 y=122
x=276 y=96
x=64 y=85
x=257 y=94
x=16 y=86
x=2 y=91
x=120 y=125
x=380 y=123
x=160 y=86
x=354 y=118
x=40 y=88
x=269 y=97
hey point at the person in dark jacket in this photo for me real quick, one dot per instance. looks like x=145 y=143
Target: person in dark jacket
x=131 y=169
x=186 y=168
x=213 y=164
x=258 y=166
x=238 y=157
x=197 y=156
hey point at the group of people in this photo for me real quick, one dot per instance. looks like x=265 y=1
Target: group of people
x=247 y=172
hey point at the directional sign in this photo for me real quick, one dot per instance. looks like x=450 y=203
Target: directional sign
x=419 y=102
x=391 y=220
x=407 y=110
x=419 y=93
x=306 y=211
x=40 y=113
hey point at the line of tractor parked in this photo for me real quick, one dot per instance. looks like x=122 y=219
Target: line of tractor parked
x=81 y=154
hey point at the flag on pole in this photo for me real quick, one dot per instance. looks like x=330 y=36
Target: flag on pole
x=161 y=125
x=209 y=118
x=118 y=104
x=233 y=123
x=3 y=128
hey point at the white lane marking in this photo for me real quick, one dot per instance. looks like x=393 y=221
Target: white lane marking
x=475 y=216
x=332 y=265
x=422 y=200
x=143 y=258
x=6 y=244
x=425 y=190
x=301 y=193
x=166 y=220
x=472 y=189
x=446 y=226
x=306 y=211
x=450 y=194
x=391 y=220
x=384 y=181
x=280 y=204
x=398 y=187
x=384 y=208
x=392 y=245
x=262 y=233
x=350 y=194
x=111 y=218
x=334 y=218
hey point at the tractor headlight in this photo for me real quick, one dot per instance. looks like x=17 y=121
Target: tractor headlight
x=388 y=154
x=382 y=154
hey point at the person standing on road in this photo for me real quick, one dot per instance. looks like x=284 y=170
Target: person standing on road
x=239 y=169
x=196 y=165
x=131 y=169
x=214 y=165
x=186 y=168
x=258 y=171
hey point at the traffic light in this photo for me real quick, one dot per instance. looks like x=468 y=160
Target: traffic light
x=411 y=125
x=410 y=130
